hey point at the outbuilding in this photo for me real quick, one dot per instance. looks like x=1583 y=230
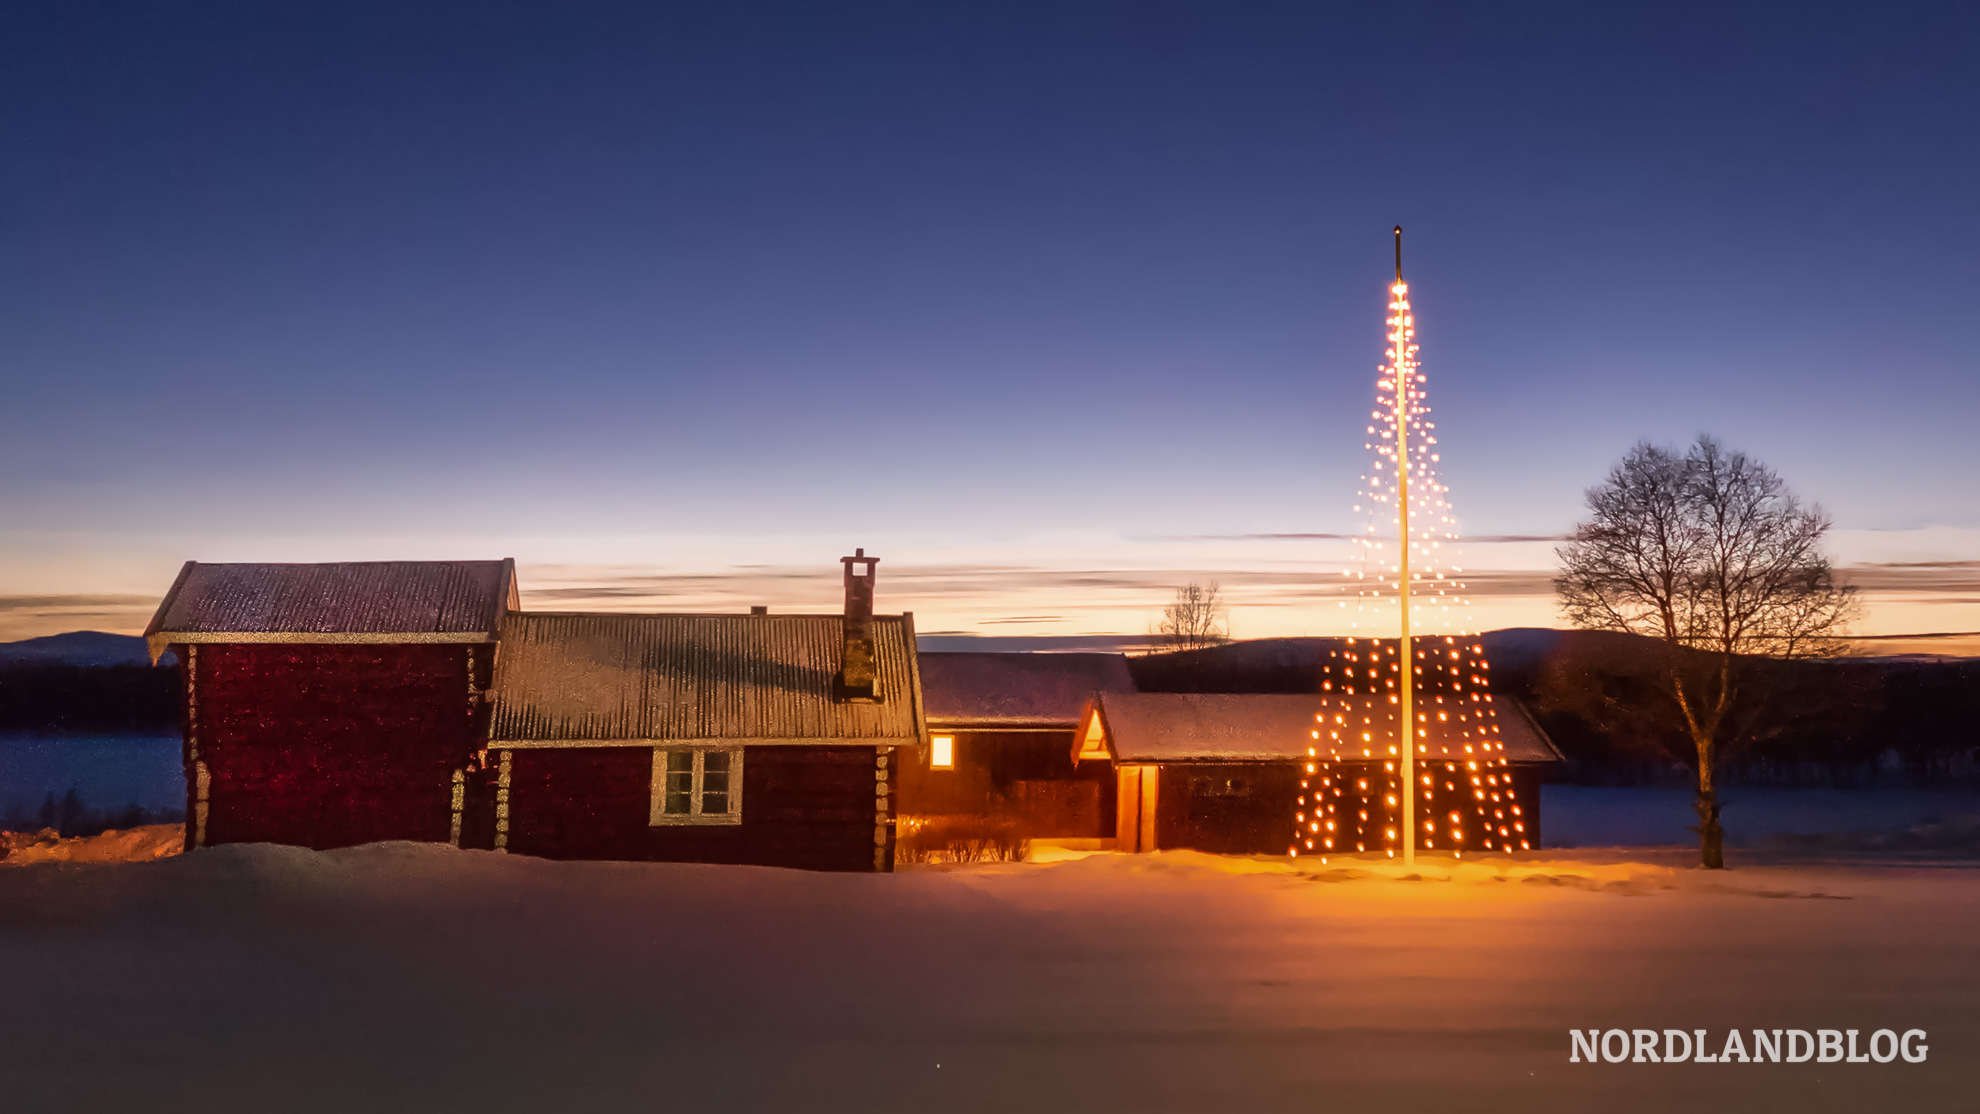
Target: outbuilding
x=1229 y=772
x=327 y=705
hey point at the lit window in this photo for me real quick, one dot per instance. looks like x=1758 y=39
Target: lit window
x=942 y=752
x=697 y=786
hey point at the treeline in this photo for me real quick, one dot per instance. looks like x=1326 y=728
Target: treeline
x=1846 y=723
x=1837 y=723
x=69 y=816
x=115 y=698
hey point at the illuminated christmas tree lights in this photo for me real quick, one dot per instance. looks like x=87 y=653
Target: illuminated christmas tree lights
x=1353 y=796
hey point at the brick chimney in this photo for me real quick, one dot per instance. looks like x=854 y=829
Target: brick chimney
x=859 y=672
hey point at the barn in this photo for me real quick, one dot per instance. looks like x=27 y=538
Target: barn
x=1224 y=772
x=774 y=740
x=327 y=705
x=1001 y=729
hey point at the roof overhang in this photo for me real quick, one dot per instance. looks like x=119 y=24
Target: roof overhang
x=575 y=744
x=937 y=723
x=156 y=639
x=157 y=642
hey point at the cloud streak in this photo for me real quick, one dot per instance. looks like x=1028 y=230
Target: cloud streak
x=1025 y=588
x=1489 y=539
x=1269 y=596
x=64 y=603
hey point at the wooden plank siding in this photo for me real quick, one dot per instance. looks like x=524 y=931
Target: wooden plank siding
x=811 y=807
x=328 y=745
x=1232 y=808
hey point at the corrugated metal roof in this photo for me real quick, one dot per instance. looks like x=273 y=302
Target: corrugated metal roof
x=569 y=678
x=1009 y=690
x=347 y=598
x=1163 y=727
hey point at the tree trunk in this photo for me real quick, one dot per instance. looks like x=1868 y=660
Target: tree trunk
x=1711 y=837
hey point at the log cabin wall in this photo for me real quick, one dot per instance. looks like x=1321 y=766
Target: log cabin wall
x=326 y=745
x=811 y=807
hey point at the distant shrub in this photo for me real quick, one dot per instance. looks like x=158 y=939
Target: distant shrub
x=959 y=839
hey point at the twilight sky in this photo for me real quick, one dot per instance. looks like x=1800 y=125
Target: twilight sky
x=1054 y=306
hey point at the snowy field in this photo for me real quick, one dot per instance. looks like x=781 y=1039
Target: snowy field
x=412 y=977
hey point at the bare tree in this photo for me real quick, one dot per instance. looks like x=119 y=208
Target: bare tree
x=1197 y=620
x=1710 y=553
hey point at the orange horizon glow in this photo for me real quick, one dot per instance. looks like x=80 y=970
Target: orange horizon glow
x=1064 y=586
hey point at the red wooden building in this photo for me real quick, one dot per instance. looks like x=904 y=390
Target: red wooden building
x=1222 y=772
x=330 y=705
x=766 y=739
x=335 y=704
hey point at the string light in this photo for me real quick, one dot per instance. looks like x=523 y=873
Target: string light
x=1464 y=792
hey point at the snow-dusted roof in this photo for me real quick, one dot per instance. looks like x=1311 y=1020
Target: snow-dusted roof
x=988 y=690
x=1253 y=727
x=563 y=678
x=348 y=601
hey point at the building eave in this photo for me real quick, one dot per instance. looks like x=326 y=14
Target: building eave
x=705 y=741
x=991 y=723
x=158 y=641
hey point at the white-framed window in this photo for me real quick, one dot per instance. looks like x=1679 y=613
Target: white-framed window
x=697 y=785
x=941 y=752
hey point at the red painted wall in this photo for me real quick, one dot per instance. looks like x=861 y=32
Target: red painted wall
x=331 y=745
x=803 y=806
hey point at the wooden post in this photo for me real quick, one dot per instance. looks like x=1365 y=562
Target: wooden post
x=1151 y=798
x=1127 y=808
x=502 y=804
x=202 y=779
x=883 y=858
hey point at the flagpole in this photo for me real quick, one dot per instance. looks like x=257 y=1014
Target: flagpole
x=1407 y=734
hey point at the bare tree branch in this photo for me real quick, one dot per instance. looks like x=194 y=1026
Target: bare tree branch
x=1196 y=620
x=1713 y=555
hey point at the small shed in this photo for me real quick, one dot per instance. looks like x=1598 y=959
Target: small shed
x=1227 y=772
x=1001 y=729
x=327 y=705
x=703 y=738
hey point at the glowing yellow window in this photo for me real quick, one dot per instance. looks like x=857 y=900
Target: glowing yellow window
x=942 y=752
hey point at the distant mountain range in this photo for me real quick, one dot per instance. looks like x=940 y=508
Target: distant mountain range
x=82 y=647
